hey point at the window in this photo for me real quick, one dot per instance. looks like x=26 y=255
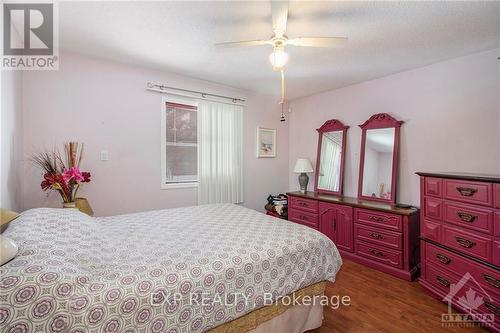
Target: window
x=179 y=143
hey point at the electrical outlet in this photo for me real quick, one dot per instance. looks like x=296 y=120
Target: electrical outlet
x=104 y=155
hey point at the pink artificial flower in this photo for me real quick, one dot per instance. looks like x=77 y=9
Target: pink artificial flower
x=86 y=177
x=74 y=174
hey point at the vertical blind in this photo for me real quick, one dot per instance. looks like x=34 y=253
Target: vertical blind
x=331 y=155
x=220 y=153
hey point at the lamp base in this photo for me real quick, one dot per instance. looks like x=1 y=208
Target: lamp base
x=303 y=180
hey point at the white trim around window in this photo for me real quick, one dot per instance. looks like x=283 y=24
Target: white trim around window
x=179 y=100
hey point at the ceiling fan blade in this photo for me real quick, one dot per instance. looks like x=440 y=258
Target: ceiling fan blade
x=279 y=12
x=318 y=41
x=242 y=43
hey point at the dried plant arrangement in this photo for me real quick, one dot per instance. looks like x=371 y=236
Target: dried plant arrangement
x=62 y=175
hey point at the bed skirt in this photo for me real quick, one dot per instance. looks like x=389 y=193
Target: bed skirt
x=280 y=317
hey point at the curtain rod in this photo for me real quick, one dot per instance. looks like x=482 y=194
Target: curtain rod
x=203 y=94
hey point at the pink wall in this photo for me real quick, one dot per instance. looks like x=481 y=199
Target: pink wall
x=11 y=140
x=106 y=105
x=451 y=112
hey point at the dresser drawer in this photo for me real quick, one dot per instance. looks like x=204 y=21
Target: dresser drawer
x=431 y=230
x=378 y=219
x=496 y=223
x=467 y=216
x=433 y=208
x=496 y=253
x=491 y=306
x=466 y=191
x=483 y=275
x=467 y=242
x=305 y=218
x=433 y=186
x=308 y=205
x=497 y=195
x=443 y=280
x=380 y=254
x=439 y=277
x=382 y=237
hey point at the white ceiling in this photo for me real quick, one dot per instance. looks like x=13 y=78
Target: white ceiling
x=384 y=38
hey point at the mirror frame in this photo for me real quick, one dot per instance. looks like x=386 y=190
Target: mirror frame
x=378 y=121
x=330 y=126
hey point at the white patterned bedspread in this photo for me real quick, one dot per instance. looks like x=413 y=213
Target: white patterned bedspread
x=75 y=273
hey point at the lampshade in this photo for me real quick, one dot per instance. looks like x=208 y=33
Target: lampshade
x=303 y=165
x=278 y=58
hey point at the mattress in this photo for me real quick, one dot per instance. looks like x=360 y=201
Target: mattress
x=177 y=270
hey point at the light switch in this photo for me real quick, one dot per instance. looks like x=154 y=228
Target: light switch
x=104 y=155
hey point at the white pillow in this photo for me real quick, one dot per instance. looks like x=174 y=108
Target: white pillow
x=8 y=249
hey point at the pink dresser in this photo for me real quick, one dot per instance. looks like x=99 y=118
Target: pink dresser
x=460 y=242
x=375 y=234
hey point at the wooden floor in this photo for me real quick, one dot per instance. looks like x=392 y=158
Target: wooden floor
x=382 y=303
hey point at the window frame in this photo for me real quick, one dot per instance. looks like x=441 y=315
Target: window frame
x=163 y=140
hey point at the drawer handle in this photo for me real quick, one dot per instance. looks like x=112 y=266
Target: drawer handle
x=303 y=204
x=443 y=281
x=442 y=258
x=376 y=218
x=491 y=280
x=466 y=217
x=465 y=242
x=492 y=307
x=302 y=217
x=376 y=236
x=377 y=253
x=466 y=191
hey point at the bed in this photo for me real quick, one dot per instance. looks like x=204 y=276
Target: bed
x=192 y=269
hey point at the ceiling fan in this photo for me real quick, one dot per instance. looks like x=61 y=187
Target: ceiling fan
x=279 y=58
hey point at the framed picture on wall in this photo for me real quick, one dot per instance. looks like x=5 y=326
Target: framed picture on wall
x=266 y=142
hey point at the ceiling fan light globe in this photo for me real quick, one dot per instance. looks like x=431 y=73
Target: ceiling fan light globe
x=278 y=58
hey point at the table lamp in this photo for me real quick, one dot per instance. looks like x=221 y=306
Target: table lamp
x=303 y=166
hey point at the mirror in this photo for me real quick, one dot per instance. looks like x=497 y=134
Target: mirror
x=330 y=158
x=377 y=175
x=377 y=179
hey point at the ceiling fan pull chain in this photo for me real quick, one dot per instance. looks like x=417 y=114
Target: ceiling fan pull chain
x=282 y=101
x=282 y=86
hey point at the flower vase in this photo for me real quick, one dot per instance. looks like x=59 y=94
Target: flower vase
x=69 y=204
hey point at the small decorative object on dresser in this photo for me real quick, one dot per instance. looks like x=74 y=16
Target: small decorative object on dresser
x=460 y=243
x=63 y=174
x=369 y=230
x=303 y=166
